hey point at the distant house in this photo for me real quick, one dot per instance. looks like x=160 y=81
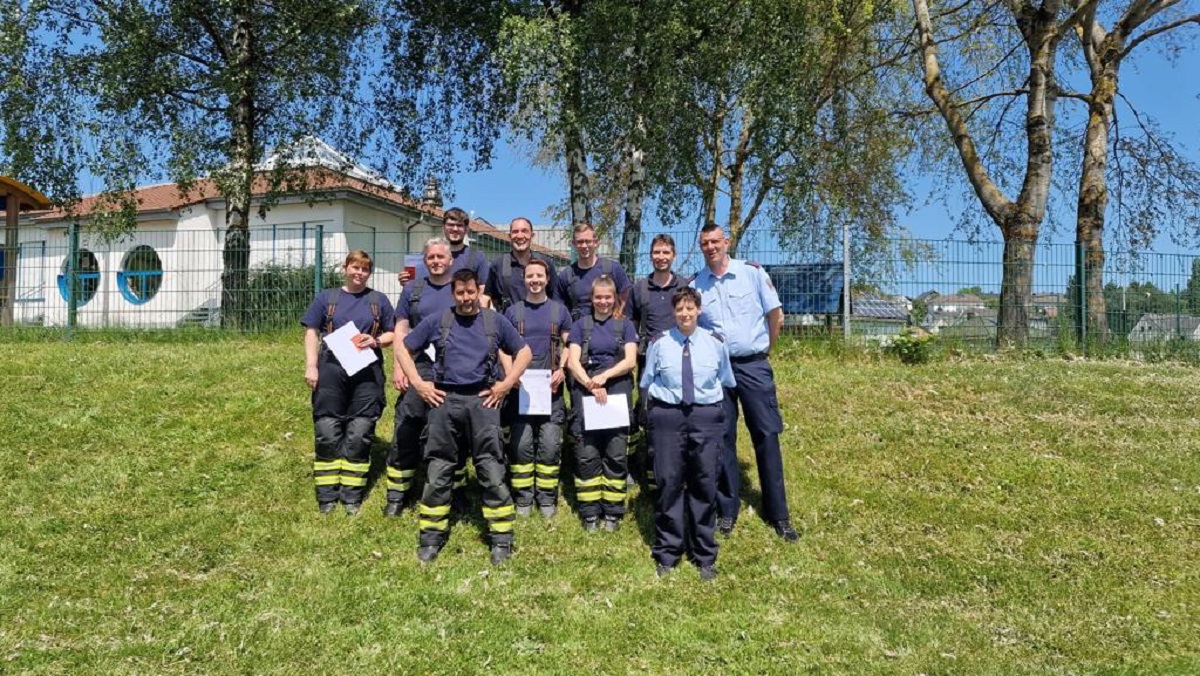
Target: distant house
x=955 y=303
x=1154 y=328
x=973 y=325
x=877 y=316
x=1047 y=305
x=169 y=268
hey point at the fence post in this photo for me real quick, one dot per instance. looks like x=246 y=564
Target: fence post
x=72 y=278
x=319 y=260
x=1081 y=296
x=1178 y=313
x=846 y=282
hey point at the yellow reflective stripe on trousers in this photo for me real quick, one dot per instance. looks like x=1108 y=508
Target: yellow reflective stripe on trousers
x=588 y=490
x=433 y=525
x=498 y=512
x=500 y=526
x=394 y=473
x=328 y=480
x=610 y=496
x=425 y=510
x=354 y=480
x=546 y=483
x=522 y=482
x=362 y=467
x=525 y=468
x=327 y=466
x=548 y=470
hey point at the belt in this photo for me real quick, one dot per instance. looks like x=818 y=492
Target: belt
x=655 y=403
x=473 y=388
x=746 y=359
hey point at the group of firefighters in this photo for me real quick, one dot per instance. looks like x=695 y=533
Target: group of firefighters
x=465 y=330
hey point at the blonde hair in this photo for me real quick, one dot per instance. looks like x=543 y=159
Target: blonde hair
x=619 y=304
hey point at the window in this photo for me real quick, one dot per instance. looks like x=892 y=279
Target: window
x=141 y=274
x=87 y=277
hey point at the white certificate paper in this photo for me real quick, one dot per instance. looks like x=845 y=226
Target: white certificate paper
x=351 y=358
x=534 y=395
x=611 y=415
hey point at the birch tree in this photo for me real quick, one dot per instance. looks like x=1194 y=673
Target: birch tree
x=204 y=86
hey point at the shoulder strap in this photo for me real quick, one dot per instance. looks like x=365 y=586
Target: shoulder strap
x=375 y=314
x=519 y=314
x=414 y=302
x=641 y=291
x=555 y=334
x=489 y=329
x=618 y=330
x=446 y=323
x=589 y=324
x=503 y=273
x=331 y=301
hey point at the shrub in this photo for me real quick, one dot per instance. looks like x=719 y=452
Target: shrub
x=914 y=346
x=279 y=294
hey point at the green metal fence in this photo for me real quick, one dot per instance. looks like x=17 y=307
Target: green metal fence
x=173 y=278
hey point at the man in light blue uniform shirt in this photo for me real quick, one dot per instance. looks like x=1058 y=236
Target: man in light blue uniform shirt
x=686 y=372
x=740 y=305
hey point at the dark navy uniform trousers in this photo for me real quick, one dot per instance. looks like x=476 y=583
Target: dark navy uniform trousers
x=462 y=422
x=345 y=409
x=688 y=444
x=405 y=455
x=756 y=392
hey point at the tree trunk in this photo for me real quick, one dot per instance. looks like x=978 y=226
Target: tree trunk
x=12 y=210
x=1093 y=185
x=1019 y=220
x=1016 y=288
x=235 y=305
x=710 y=184
x=635 y=197
x=577 y=171
x=737 y=181
x=737 y=184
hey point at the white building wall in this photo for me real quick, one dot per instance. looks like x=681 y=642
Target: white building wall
x=190 y=248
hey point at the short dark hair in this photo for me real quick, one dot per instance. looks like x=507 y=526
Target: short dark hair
x=457 y=214
x=684 y=294
x=539 y=262
x=462 y=277
x=663 y=238
x=710 y=226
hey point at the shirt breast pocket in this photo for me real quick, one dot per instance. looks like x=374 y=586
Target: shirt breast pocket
x=743 y=304
x=704 y=368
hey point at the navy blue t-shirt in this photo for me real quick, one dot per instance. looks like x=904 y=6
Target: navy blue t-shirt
x=434 y=299
x=466 y=348
x=657 y=314
x=537 y=329
x=578 y=295
x=351 y=307
x=605 y=348
x=506 y=280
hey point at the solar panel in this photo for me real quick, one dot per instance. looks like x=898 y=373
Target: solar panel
x=808 y=288
x=877 y=308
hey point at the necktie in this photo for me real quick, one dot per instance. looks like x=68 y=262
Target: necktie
x=689 y=379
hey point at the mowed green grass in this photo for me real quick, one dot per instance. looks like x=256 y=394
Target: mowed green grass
x=979 y=516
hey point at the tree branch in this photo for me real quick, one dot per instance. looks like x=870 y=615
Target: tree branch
x=1158 y=30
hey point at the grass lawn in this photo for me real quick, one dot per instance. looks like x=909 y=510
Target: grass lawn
x=979 y=516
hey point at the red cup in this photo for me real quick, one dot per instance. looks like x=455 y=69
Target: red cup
x=410 y=271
